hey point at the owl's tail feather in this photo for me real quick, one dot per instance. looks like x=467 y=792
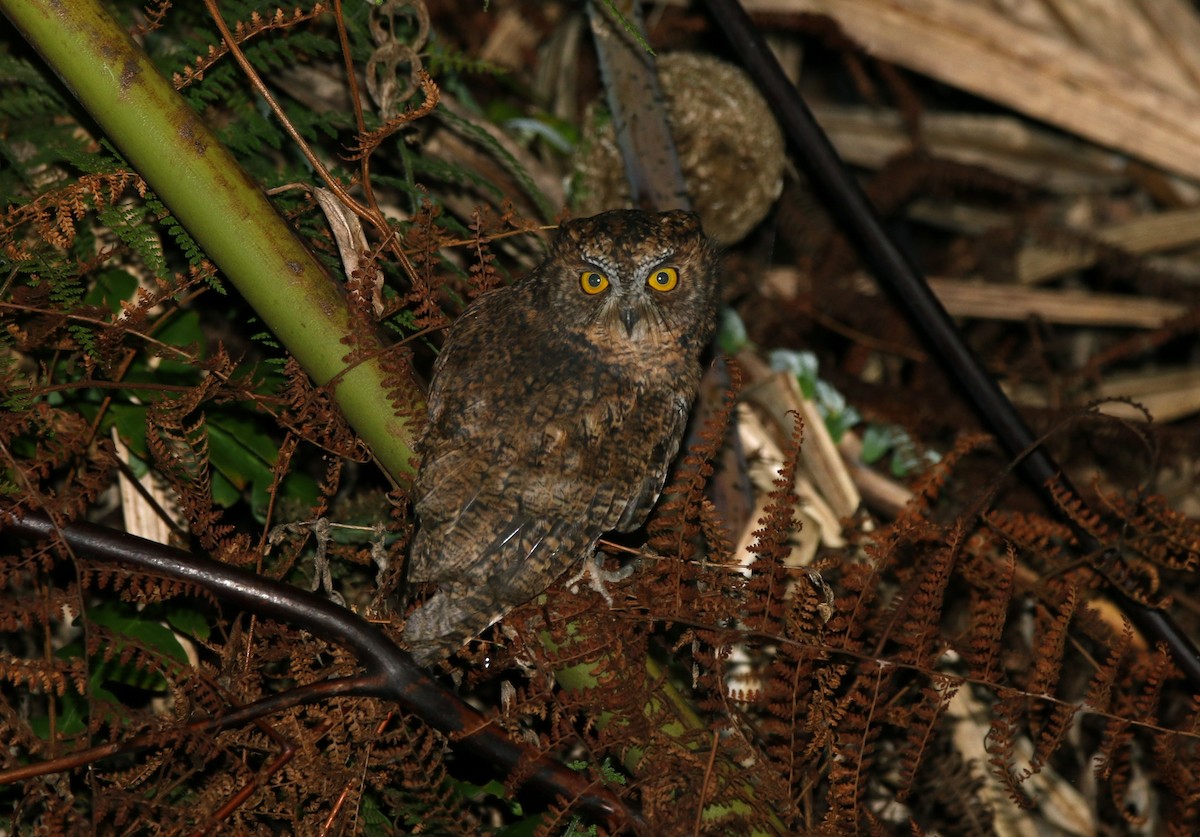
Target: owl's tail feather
x=443 y=625
x=525 y=557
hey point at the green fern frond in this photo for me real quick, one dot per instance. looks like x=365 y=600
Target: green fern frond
x=440 y=59
x=86 y=339
x=271 y=54
x=478 y=135
x=17 y=395
x=127 y=221
x=67 y=290
x=191 y=250
x=456 y=175
x=17 y=70
x=26 y=103
x=26 y=92
x=89 y=161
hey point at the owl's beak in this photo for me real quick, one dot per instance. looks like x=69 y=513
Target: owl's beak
x=630 y=317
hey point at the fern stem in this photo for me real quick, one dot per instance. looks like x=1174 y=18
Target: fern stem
x=223 y=208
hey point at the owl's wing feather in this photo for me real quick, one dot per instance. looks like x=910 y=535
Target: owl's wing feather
x=514 y=567
x=500 y=522
x=638 y=507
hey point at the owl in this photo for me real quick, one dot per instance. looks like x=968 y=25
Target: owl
x=556 y=406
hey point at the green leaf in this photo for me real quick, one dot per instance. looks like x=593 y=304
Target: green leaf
x=244 y=456
x=130 y=421
x=372 y=819
x=224 y=493
x=189 y=622
x=139 y=626
x=876 y=442
x=801 y=364
x=250 y=453
x=71 y=720
x=880 y=440
x=731 y=333
x=182 y=331
x=111 y=289
x=494 y=788
x=831 y=404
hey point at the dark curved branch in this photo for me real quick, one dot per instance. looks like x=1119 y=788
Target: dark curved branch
x=390 y=672
x=815 y=154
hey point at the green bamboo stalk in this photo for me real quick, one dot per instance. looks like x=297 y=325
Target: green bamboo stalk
x=220 y=205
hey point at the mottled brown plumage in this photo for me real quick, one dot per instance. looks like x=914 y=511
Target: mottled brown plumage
x=556 y=406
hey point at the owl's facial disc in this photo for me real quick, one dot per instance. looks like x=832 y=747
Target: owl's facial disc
x=635 y=317
x=630 y=295
x=623 y=316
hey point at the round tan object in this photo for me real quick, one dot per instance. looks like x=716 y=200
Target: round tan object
x=730 y=147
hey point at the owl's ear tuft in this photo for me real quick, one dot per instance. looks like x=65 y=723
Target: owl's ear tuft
x=571 y=234
x=685 y=217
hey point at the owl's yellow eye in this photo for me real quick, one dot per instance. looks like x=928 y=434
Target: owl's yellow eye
x=593 y=282
x=664 y=279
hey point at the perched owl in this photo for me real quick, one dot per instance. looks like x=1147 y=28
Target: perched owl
x=556 y=406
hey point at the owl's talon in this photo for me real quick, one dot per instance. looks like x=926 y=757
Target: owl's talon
x=597 y=576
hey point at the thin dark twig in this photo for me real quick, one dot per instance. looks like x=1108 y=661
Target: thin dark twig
x=857 y=218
